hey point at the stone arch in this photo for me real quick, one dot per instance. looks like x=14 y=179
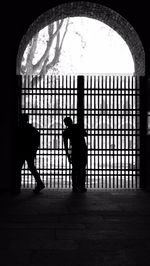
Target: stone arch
x=90 y=10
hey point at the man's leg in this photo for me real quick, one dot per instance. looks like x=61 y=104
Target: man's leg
x=82 y=176
x=34 y=172
x=74 y=176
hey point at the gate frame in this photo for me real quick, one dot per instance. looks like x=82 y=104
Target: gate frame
x=143 y=119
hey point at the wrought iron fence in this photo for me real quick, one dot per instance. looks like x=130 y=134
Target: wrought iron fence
x=111 y=116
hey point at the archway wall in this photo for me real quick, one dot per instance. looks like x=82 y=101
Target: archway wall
x=95 y=11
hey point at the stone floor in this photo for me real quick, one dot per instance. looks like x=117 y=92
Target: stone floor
x=61 y=228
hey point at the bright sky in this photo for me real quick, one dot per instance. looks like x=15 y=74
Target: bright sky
x=91 y=46
x=105 y=51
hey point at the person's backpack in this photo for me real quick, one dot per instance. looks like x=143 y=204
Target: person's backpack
x=34 y=137
x=29 y=139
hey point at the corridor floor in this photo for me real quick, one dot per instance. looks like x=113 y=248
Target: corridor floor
x=62 y=228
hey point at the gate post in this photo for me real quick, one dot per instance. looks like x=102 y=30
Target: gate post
x=143 y=132
x=15 y=182
x=80 y=101
x=148 y=134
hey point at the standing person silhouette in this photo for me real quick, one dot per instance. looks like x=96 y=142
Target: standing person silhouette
x=28 y=143
x=78 y=155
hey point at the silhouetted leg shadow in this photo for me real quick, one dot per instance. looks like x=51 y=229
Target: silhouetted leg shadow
x=34 y=172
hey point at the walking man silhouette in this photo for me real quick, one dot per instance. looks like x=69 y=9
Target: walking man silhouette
x=76 y=153
x=28 y=143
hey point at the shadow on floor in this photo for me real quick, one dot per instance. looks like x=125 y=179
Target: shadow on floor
x=61 y=228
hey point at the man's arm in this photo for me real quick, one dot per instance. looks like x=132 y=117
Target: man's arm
x=66 y=144
x=65 y=139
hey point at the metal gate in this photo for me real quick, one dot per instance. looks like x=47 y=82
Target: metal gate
x=110 y=111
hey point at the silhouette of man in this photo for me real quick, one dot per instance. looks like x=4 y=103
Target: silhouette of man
x=28 y=143
x=76 y=153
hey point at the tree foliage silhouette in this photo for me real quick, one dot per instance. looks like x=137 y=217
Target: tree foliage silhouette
x=46 y=61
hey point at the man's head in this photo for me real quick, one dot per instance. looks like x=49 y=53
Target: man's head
x=68 y=121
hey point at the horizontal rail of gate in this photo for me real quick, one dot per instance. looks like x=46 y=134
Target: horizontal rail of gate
x=111 y=119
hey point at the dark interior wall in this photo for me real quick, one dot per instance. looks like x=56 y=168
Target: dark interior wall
x=19 y=17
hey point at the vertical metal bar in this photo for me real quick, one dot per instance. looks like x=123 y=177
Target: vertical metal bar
x=33 y=112
x=109 y=131
x=47 y=131
x=117 y=158
x=70 y=114
x=95 y=137
x=68 y=110
x=54 y=133
x=98 y=135
x=38 y=114
x=89 y=109
x=65 y=84
x=88 y=122
x=121 y=128
x=126 y=126
x=134 y=105
x=106 y=164
x=25 y=108
x=28 y=99
x=91 y=147
x=61 y=138
x=134 y=132
x=30 y=111
x=129 y=131
x=44 y=127
x=141 y=157
x=58 y=134
x=63 y=152
x=20 y=107
x=117 y=132
x=50 y=128
x=91 y=139
x=112 y=86
x=23 y=176
x=102 y=91
x=80 y=102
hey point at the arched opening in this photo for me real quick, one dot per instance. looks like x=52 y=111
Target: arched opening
x=115 y=134
x=94 y=11
x=77 y=45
